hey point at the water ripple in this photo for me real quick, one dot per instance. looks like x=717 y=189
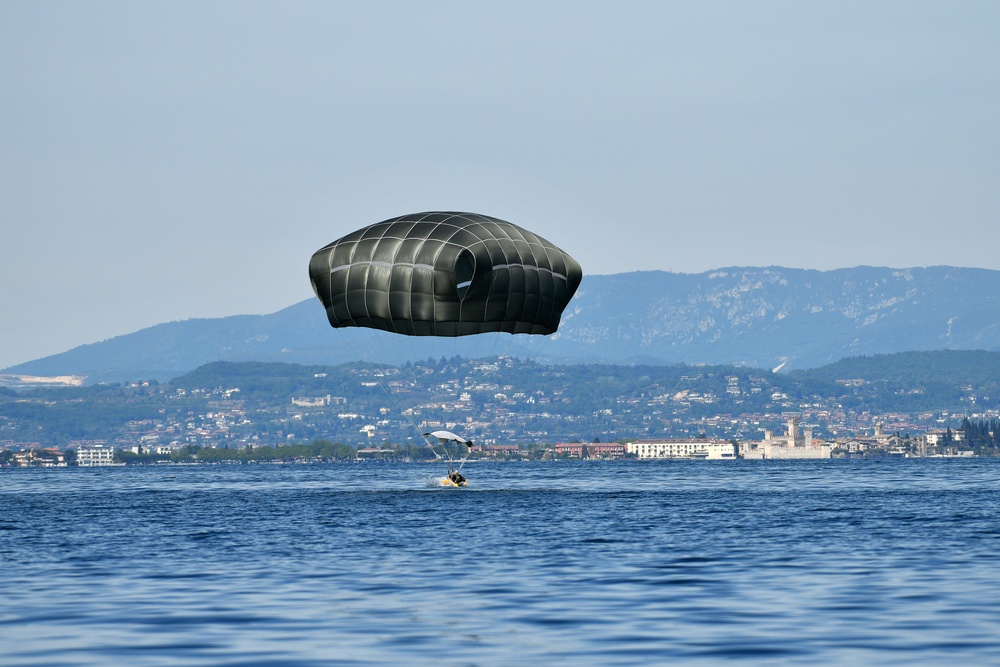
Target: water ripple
x=619 y=563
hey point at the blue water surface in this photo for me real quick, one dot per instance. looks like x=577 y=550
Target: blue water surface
x=556 y=563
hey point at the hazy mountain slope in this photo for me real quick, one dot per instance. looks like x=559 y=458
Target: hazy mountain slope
x=763 y=317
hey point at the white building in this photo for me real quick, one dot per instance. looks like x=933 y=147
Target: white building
x=698 y=448
x=318 y=401
x=95 y=455
x=937 y=437
x=815 y=451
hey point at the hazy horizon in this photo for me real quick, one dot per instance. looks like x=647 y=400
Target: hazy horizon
x=169 y=161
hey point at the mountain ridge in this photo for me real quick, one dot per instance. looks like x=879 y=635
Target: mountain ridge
x=766 y=317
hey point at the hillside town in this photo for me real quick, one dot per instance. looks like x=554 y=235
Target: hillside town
x=796 y=443
x=509 y=409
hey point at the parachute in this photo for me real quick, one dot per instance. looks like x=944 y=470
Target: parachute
x=448 y=436
x=445 y=274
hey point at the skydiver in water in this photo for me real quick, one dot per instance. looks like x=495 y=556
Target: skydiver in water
x=456 y=477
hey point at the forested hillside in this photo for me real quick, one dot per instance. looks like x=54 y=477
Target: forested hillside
x=501 y=400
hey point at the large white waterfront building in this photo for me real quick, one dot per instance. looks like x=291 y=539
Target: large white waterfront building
x=95 y=455
x=697 y=448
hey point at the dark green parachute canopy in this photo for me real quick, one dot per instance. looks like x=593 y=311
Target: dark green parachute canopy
x=444 y=274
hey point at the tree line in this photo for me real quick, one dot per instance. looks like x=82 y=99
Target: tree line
x=982 y=432
x=321 y=450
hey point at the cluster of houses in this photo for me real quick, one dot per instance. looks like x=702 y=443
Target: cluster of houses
x=42 y=457
x=795 y=443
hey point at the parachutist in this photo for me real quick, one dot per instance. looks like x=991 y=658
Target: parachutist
x=457 y=478
x=445 y=274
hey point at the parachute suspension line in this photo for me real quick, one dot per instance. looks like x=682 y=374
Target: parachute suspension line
x=509 y=341
x=477 y=344
x=436 y=351
x=344 y=338
x=533 y=345
x=506 y=348
x=357 y=353
x=382 y=367
x=542 y=342
x=399 y=407
x=433 y=451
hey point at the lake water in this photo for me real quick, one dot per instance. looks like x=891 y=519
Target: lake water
x=555 y=563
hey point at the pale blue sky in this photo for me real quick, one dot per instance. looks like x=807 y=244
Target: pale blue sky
x=167 y=160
